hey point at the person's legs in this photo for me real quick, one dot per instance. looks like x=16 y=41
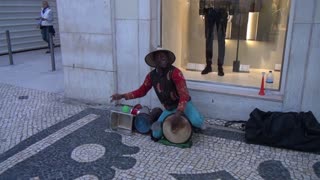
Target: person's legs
x=209 y=24
x=221 y=30
x=191 y=112
x=44 y=34
x=157 y=133
x=194 y=116
x=47 y=33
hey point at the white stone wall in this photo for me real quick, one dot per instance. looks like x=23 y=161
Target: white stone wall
x=104 y=43
x=303 y=87
x=133 y=22
x=87 y=46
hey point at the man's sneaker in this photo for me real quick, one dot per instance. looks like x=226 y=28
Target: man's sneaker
x=206 y=70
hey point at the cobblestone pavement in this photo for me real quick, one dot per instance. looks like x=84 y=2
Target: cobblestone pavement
x=24 y=112
x=75 y=142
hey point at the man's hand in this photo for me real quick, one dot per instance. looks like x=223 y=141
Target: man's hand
x=116 y=97
x=42 y=19
x=177 y=121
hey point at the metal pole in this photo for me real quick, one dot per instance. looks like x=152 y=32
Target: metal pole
x=236 y=63
x=9 y=47
x=238 y=37
x=53 y=62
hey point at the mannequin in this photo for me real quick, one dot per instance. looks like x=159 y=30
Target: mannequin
x=217 y=13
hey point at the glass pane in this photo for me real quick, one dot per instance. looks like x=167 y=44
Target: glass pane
x=224 y=32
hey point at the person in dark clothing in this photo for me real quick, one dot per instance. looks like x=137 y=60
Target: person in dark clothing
x=170 y=87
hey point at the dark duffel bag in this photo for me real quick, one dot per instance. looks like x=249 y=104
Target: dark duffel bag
x=291 y=130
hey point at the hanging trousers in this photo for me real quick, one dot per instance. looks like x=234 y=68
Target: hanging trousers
x=215 y=17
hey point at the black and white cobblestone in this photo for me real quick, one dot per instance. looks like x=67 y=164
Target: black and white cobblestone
x=52 y=139
x=55 y=161
x=216 y=156
x=316 y=168
x=22 y=118
x=88 y=152
x=87 y=177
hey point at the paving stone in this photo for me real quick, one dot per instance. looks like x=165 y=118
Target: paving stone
x=271 y=169
x=88 y=152
x=220 y=175
x=87 y=177
x=316 y=168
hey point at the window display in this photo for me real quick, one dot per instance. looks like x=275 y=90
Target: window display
x=227 y=41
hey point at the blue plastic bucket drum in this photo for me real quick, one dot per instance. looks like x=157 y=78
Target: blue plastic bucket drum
x=143 y=123
x=144 y=119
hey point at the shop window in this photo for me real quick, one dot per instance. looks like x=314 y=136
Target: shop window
x=246 y=36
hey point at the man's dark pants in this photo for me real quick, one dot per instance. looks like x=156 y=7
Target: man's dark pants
x=45 y=30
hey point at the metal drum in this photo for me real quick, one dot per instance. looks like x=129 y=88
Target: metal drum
x=182 y=134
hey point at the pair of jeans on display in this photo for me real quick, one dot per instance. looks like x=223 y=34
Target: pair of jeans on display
x=215 y=17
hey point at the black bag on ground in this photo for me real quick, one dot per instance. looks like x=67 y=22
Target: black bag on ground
x=298 y=131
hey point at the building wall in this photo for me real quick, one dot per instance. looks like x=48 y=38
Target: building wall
x=87 y=47
x=133 y=41
x=302 y=89
x=95 y=58
x=310 y=98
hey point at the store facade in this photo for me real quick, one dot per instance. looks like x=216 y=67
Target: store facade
x=104 y=43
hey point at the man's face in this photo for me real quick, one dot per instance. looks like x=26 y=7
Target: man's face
x=161 y=59
x=44 y=4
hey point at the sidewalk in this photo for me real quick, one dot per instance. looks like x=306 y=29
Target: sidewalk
x=46 y=136
x=33 y=70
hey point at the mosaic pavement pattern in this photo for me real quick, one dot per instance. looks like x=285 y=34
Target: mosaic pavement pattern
x=273 y=170
x=81 y=146
x=81 y=149
x=24 y=112
x=220 y=175
x=217 y=157
x=316 y=168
